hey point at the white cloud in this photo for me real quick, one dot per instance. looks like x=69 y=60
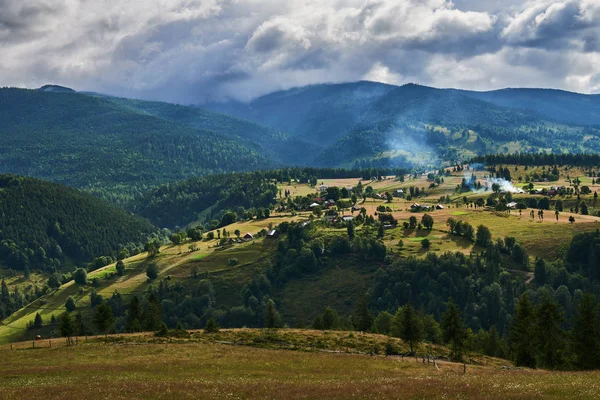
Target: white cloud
x=197 y=50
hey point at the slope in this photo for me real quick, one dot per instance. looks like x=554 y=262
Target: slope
x=371 y=124
x=92 y=142
x=558 y=105
x=46 y=226
x=278 y=145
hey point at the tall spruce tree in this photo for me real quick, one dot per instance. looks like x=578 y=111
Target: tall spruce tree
x=549 y=338
x=103 y=319
x=411 y=327
x=454 y=332
x=586 y=333
x=521 y=330
x=363 y=319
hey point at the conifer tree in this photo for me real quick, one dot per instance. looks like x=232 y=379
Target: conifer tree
x=454 y=332
x=521 y=330
x=549 y=338
x=586 y=333
x=411 y=326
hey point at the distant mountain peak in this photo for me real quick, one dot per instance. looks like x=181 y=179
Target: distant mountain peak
x=56 y=89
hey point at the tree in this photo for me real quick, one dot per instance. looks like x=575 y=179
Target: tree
x=70 y=304
x=80 y=276
x=152 y=271
x=521 y=330
x=133 y=316
x=412 y=221
x=363 y=319
x=103 y=319
x=539 y=272
x=483 y=237
x=549 y=338
x=583 y=208
x=453 y=330
x=586 y=333
x=383 y=323
x=330 y=318
x=411 y=326
x=350 y=230
x=120 y=268
x=80 y=325
x=54 y=281
x=175 y=238
x=427 y=221
x=37 y=321
x=380 y=231
x=211 y=326
x=272 y=316
x=67 y=327
x=152 y=247
x=425 y=243
x=571 y=219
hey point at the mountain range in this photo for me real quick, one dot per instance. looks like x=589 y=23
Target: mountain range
x=120 y=147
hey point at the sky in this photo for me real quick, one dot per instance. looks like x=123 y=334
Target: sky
x=189 y=51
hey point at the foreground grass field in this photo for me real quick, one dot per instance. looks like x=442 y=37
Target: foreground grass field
x=126 y=369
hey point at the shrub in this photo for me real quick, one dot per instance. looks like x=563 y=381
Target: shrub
x=152 y=271
x=70 y=304
x=211 y=326
x=425 y=243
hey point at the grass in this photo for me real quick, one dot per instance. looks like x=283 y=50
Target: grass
x=197 y=369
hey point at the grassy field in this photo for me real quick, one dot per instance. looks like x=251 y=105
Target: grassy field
x=146 y=369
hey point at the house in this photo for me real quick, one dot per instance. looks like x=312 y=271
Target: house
x=323 y=188
x=388 y=226
x=415 y=206
x=512 y=205
x=272 y=234
x=347 y=218
x=398 y=193
x=313 y=205
x=439 y=207
x=552 y=192
x=355 y=208
x=248 y=237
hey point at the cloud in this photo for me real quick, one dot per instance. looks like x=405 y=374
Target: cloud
x=191 y=51
x=552 y=25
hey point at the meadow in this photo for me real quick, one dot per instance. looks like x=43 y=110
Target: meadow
x=144 y=368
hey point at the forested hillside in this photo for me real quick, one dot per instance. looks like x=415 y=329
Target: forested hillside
x=95 y=143
x=558 y=105
x=46 y=226
x=278 y=145
x=366 y=122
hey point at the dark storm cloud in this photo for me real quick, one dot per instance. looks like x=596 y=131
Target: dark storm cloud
x=194 y=51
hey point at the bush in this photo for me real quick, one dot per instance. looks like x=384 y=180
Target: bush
x=232 y=261
x=152 y=271
x=425 y=243
x=211 y=326
x=70 y=304
x=120 y=268
x=80 y=276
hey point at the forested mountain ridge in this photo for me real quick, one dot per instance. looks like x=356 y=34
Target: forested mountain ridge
x=92 y=142
x=559 y=105
x=48 y=226
x=277 y=145
x=369 y=122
